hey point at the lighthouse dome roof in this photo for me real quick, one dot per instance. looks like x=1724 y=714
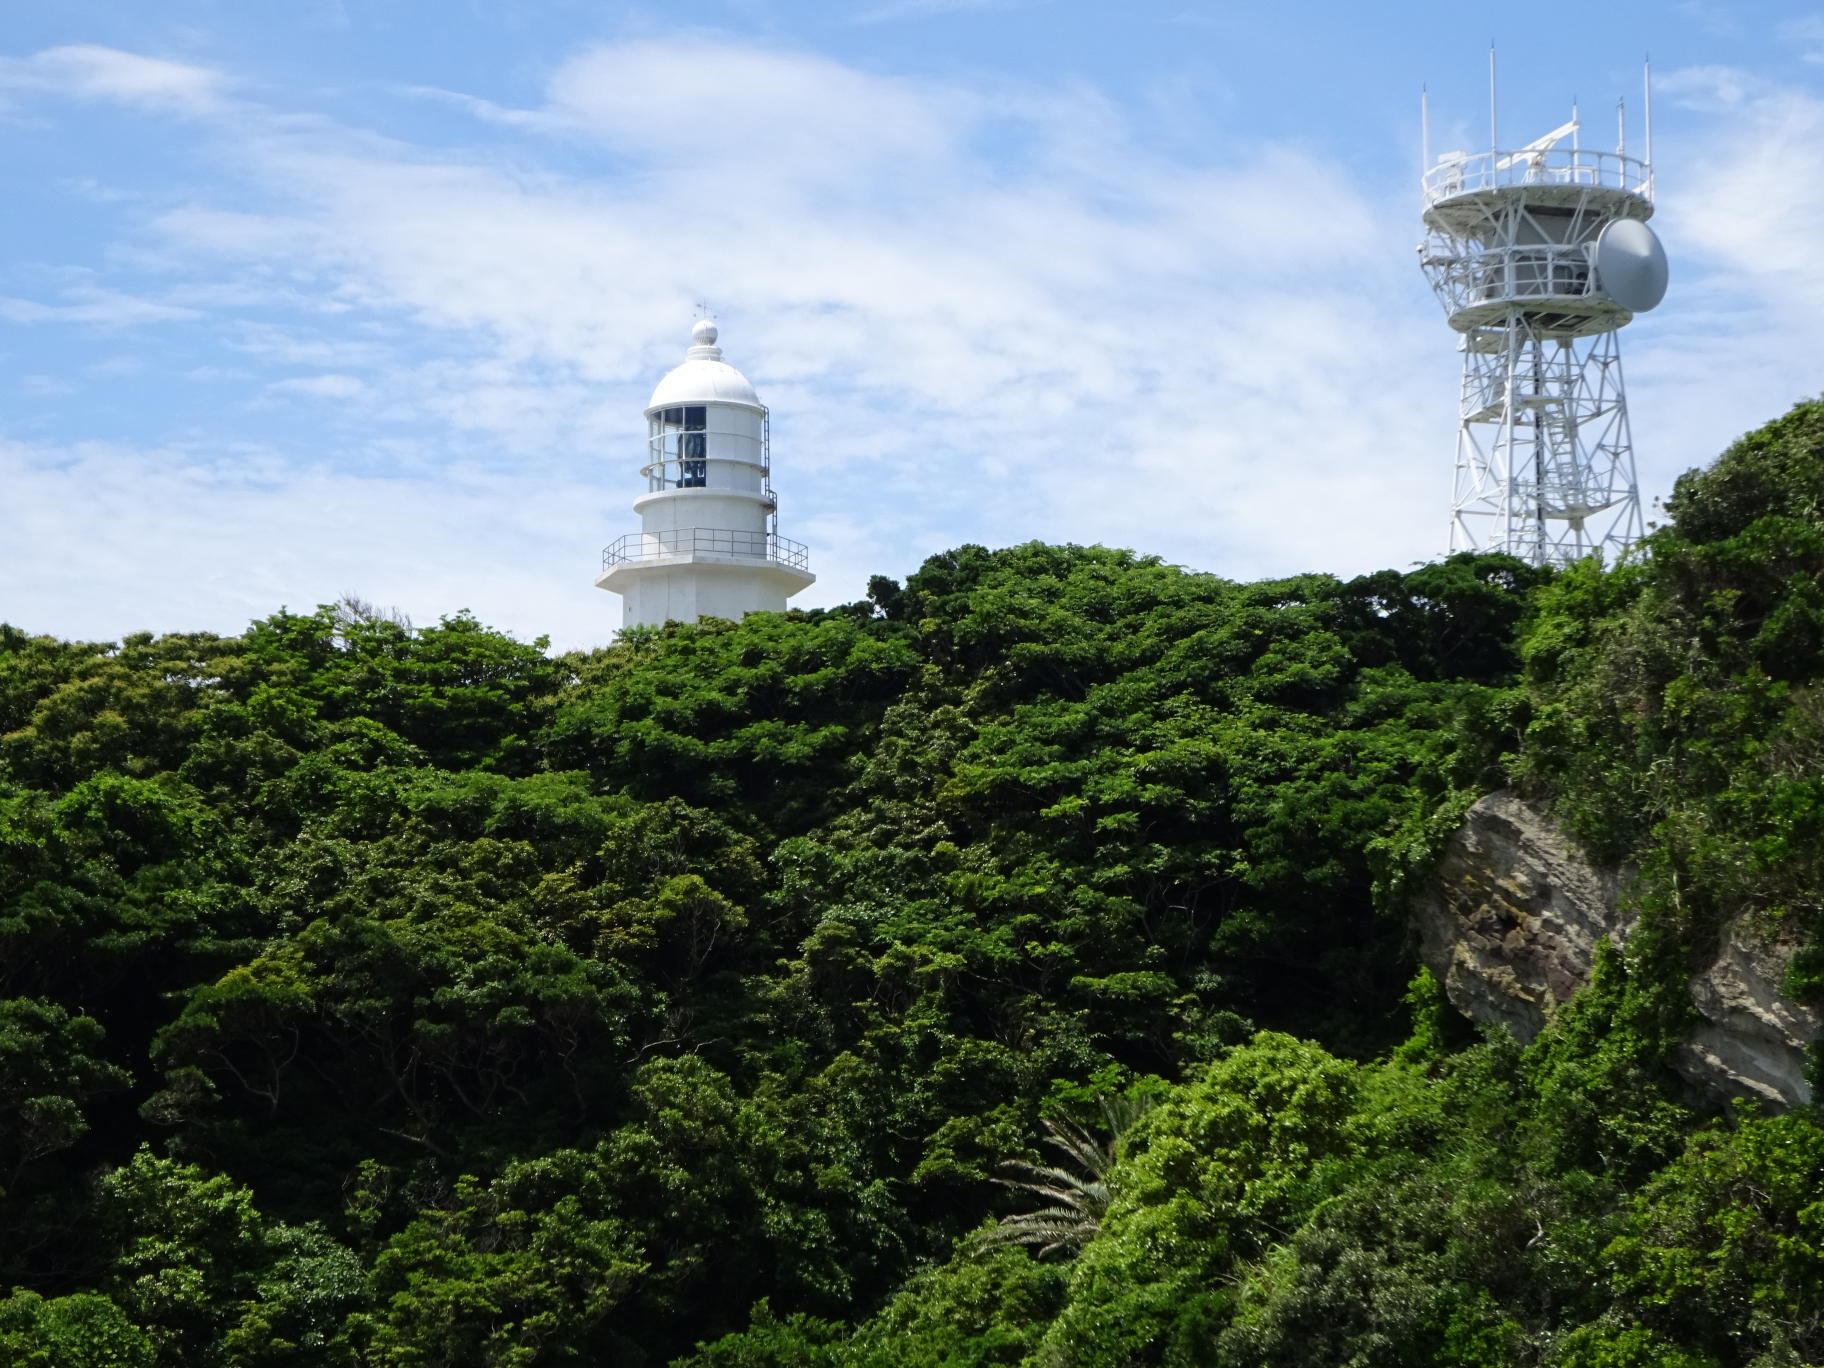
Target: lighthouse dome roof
x=704 y=378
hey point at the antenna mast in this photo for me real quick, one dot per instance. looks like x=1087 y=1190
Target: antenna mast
x=1646 y=113
x=1424 y=130
x=1494 y=136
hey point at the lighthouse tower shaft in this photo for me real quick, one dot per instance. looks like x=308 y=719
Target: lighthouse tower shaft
x=709 y=543
x=1545 y=459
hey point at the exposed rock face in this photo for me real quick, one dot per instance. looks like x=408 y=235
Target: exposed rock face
x=1510 y=922
x=1511 y=919
x=1752 y=1040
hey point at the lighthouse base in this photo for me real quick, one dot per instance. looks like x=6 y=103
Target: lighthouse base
x=685 y=588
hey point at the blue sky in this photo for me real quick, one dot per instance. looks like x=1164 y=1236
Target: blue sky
x=304 y=300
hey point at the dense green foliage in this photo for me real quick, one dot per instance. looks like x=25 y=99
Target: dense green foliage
x=382 y=996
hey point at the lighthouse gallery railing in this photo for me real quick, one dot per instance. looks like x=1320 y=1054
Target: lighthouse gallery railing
x=712 y=541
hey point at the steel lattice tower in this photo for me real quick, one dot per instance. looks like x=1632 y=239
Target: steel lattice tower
x=1521 y=251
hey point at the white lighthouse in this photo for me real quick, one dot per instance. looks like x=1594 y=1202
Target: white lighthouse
x=709 y=543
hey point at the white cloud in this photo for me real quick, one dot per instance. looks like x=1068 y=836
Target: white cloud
x=169 y=539
x=88 y=188
x=109 y=366
x=85 y=71
x=320 y=387
x=293 y=347
x=1738 y=338
x=1755 y=207
x=1709 y=89
x=931 y=9
x=94 y=306
x=693 y=102
x=1806 y=33
x=1719 y=20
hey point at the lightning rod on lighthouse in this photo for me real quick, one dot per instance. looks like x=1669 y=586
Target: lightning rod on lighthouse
x=1540 y=255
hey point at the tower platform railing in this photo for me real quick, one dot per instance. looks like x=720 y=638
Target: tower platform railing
x=638 y=547
x=1554 y=283
x=1477 y=172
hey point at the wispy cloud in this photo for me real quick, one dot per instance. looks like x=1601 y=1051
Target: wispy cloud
x=192 y=537
x=1807 y=34
x=320 y=386
x=292 y=346
x=931 y=9
x=85 y=71
x=94 y=306
x=1738 y=338
x=1754 y=211
x=1708 y=89
x=1712 y=18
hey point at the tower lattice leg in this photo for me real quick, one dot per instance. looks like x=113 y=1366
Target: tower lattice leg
x=1545 y=460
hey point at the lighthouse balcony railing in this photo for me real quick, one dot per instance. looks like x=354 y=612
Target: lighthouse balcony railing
x=638 y=547
x=1476 y=172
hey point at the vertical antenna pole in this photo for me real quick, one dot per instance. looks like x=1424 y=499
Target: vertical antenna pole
x=1621 y=128
x=1494 y=136
x=1424 y=132
x=1646 y=81
x=1576 y=125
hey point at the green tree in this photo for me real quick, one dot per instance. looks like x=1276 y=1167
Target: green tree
x=209 y=1280
x=509 y=1274
x=82 y=1330
x=50 y=1067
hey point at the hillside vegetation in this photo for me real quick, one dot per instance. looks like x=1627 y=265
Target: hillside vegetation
x=1010 y=969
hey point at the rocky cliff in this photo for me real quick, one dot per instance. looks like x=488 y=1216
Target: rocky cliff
x=1510 y=922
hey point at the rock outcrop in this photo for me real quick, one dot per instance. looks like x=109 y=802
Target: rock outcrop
x=1510 y=922
x=1751 y=1041
x=1511 y=919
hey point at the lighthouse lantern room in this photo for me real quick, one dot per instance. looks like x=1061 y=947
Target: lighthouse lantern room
x=709 y=543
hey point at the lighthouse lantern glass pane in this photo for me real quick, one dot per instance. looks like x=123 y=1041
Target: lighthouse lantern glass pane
x=679 y=435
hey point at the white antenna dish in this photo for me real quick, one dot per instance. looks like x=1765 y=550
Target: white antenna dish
x=1631 y=265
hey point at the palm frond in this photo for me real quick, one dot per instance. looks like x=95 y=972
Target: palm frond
x=1079 y=1194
